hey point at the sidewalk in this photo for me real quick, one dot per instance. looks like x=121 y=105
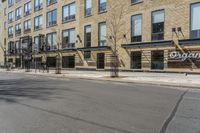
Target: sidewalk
x=169 y=79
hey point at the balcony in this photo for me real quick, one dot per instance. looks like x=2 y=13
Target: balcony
x=68 y=46
x=27 y=30
x=38 y=27
x=52 y=23
x=69 y=18
x=50 y=2
x=18 y=32
x=27 y=13
x=10 y=35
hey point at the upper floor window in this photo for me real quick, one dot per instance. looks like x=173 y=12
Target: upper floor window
x=88 y=7
x=136 y=28
x=10 y=31
x=69 y=12
x=18 y=29
x=51 y=18
x=68 y=38
x=10 y=2
x=37 y=5
x=51 y=41
x=50 y=2
x=18 y=13
x=27 y=26
x=10 y=17
x=195 y=21
x=27 y=8
x=87 y=36
x=158 y=19
x=38 y=22
x=102 y=34
x=102 y=5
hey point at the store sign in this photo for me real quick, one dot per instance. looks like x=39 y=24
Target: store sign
x=184 y=56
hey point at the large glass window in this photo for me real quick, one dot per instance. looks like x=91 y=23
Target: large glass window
x=27 y=26
x=87 y=36
x=38 y=22
x=136 y=30
x=88 y=7
x=18 y=13
x=195 y=20
x=17 y=47
x=27 y=8
x=136 y=60
x=52 y=18
x=69 y=38
x=102 y=34
x=18 y=29
x=10 y=17
x=158 y=19
x=37 y=5
x=10 y=31
x=69 y=12
x=10 y=2
x=52 y=41
x=102 y=5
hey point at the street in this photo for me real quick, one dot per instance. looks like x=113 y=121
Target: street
x=38 y=104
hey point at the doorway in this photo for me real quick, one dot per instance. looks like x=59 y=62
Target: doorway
x=100 y=61
x=157 y=60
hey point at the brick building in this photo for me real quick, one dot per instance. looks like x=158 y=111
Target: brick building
x=147 y=35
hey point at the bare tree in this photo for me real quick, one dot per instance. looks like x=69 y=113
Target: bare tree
x=116 y=33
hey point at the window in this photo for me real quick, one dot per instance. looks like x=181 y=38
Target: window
x=52 y=41
x=11 y=47
x=27 y=8
x=195 y=21
x=10 y=2
x=135 y=1
x=18 y=13
x=50 y=2
x=10 y=17
x=36 y=44
x=52 y=18
x=158 y=18
x=87 y=36
x=10 y=31
x=136 y=28
x=18 y=29
x=27 y=26
x=37 y=5
x=88 y=7
x=18 y=47
x=69 y=12
x=68 y=38
x=38 y=22
x=102 y=34
x=102 y=5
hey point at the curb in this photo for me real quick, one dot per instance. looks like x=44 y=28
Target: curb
x=109 y=79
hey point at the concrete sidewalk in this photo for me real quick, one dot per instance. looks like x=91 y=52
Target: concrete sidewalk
x=169 y=79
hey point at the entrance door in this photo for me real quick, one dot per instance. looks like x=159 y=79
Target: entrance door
x=68 y=62
x=157 y=60
x=136 y=60
x=100 y=61
x=51 y=62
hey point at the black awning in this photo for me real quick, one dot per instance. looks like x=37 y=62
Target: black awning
x=148 y=44
x=189 y=41
x=98 y=48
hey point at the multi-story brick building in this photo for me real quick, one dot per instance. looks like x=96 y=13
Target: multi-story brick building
x=3 y=33
x=149 y=35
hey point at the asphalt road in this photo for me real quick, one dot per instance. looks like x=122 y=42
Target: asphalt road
x=36 y=104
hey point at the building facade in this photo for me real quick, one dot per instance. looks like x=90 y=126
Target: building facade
x=146 y=35
x=3 y=33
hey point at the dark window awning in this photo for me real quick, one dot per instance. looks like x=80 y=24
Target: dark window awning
x=99 y=48
x=148 y=44
x=189 y=41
